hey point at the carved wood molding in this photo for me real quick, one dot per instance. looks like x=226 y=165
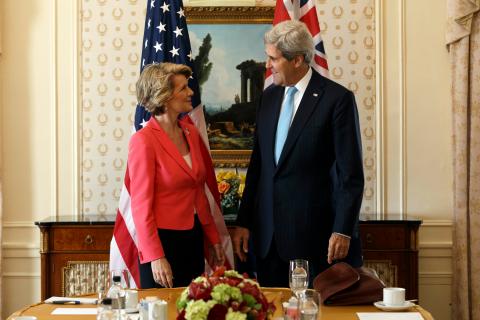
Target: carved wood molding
x=231 y=158
x=229 y=15
x=95 y=275
x=43 y=241
x=386 y=271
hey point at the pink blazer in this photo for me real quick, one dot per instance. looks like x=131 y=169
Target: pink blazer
x=164 y=190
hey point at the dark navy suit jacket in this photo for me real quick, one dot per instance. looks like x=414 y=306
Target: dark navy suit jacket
x=317 y=186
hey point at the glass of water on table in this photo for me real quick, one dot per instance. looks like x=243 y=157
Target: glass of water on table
x=298 y=278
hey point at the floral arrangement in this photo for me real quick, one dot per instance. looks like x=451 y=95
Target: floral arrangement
x=230 y=187
x=224 y=295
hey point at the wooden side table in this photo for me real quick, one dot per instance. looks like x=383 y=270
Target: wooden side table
x=75 y=253
x=390 y=246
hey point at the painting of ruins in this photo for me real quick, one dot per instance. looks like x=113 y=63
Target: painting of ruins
x=229 y=61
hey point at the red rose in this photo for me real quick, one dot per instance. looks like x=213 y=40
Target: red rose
x=197 y=291
x=235 y=305
x=218 y=312
x=251 y=289
x=181 y=315
x=233 y=282
x=219 y=272
x=223 y=187
x=261 y=315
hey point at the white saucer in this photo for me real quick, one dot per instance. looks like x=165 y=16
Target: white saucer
x=132 y=310
x=380 y=305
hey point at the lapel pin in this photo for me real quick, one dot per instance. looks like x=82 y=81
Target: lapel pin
x=315 y=94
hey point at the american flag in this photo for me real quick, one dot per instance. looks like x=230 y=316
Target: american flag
x=165 y=40
x=305 y=11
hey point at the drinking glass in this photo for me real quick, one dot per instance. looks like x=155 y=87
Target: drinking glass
x=298 y=277
x=308 y=308
x=125 y=280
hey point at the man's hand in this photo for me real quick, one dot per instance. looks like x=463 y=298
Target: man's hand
x=240 y=242
x=338 y=246
x=162 y=272
x=218 y=255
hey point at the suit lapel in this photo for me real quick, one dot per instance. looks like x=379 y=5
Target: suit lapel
x=309 y=103
x=169 y=146
x=270 y=117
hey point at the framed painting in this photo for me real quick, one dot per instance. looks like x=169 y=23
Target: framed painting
x=229 y=58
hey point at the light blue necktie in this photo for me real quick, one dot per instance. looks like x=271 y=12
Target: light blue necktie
x=284 y=122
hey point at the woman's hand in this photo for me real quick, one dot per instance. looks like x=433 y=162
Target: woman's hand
x=218 y=255
x=162 y=272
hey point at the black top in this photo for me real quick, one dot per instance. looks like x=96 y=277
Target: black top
x=110 y=220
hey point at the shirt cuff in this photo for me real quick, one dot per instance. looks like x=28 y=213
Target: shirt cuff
x=343 y=235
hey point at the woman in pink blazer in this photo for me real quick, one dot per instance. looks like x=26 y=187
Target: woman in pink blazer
x=167 y=183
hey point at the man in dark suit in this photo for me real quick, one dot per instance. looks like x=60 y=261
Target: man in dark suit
x=305 y=180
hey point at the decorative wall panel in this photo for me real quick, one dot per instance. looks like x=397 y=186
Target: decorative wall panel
x=348 y=31
x=111 y=35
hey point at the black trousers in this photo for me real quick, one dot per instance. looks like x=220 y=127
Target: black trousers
x=184 y=251
x=273 y=271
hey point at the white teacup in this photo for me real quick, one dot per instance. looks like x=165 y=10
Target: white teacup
x=394 y=297
x=131 y=299
x=157 y=310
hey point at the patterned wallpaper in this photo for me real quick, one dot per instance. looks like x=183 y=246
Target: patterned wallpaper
x=111 y=36
x=348 y=31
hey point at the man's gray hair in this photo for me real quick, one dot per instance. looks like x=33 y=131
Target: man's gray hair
x=292 y=39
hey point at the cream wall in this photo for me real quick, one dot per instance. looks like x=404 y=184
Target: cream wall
x=39 y=151
x=37 y=130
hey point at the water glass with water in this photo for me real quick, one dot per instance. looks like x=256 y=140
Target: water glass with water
x=298 y=276
x=308 y=308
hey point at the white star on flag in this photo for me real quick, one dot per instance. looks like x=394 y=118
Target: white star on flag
x=190 y=55
x=174 y=51
x=143 y=123
x=181 y=13
x=165 y=7
x=146 y=43
x=152 y=4
x=161 y=27
x=178 y=32
x=158 y=46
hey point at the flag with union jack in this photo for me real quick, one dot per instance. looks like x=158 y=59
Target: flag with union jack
x=305 y=11
x=165 y=40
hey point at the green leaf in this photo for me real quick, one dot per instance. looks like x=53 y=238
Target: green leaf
x=249 y=299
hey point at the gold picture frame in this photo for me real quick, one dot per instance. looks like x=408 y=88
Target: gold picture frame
x=230 y=158
x=228 y=15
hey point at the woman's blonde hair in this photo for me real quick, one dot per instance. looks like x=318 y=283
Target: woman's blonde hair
x=155 y=85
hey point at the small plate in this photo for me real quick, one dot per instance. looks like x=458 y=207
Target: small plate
x=380 y=305
x=132 y=310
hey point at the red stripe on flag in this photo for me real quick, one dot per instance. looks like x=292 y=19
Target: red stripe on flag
x=268 y=73
x=322 y=62
x=126 y=180
x=311 y=20
x=281 y=13
x=127 y=247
